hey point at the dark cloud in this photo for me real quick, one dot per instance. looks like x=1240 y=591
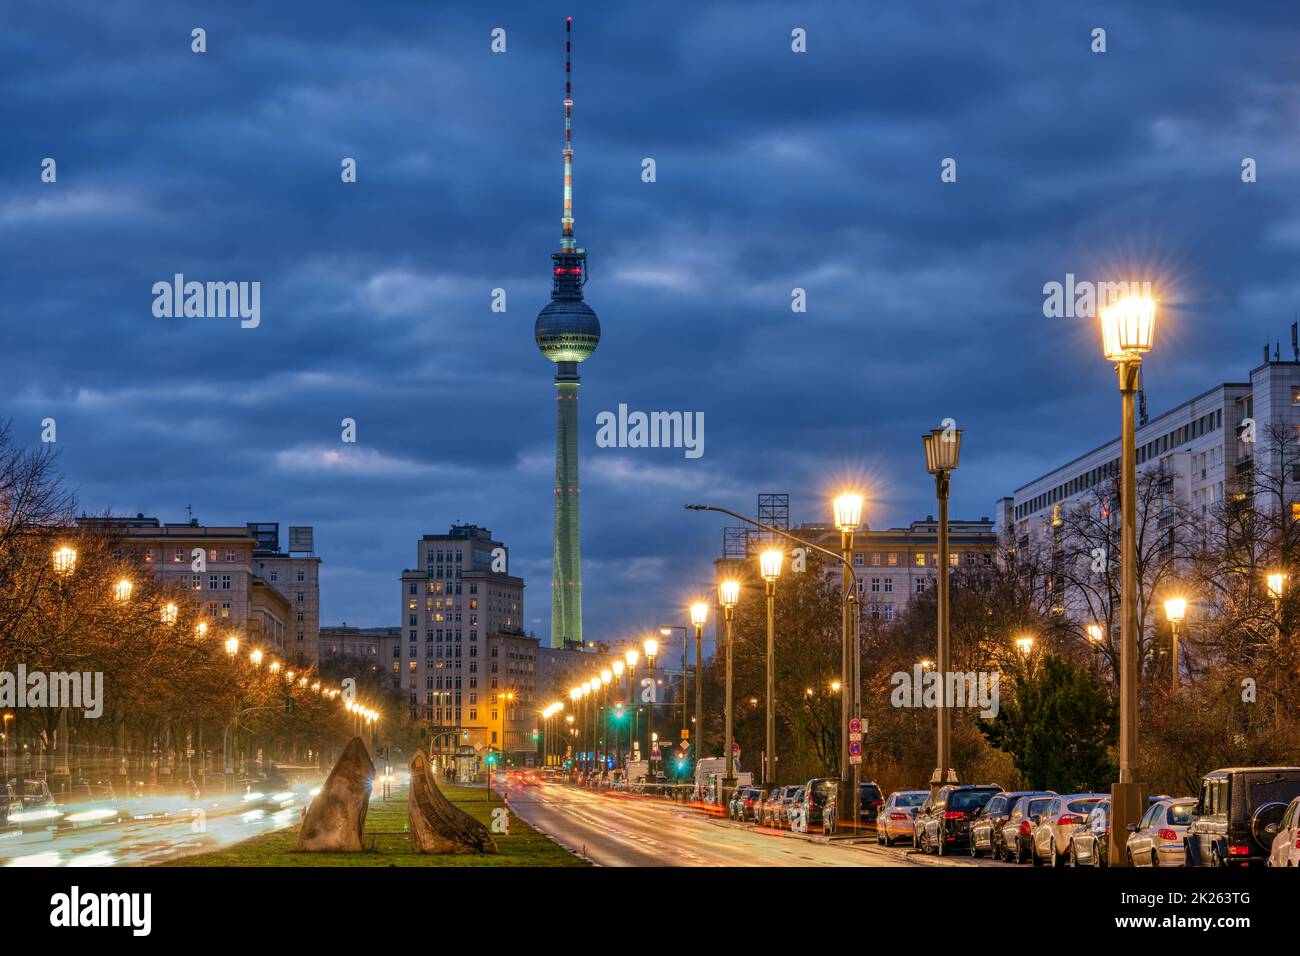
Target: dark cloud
x=819 y=171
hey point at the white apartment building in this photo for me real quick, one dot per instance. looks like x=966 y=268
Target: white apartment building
x=1204 y=443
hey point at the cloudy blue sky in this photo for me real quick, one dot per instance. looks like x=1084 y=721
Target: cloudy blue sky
x=775 y=170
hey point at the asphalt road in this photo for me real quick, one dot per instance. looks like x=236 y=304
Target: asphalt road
x=612 y=829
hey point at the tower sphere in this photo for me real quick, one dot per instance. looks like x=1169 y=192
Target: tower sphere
x=567 y=330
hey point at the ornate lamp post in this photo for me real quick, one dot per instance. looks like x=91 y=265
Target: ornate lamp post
x=769 y=563
x=848 y=517
x=942 y=450
x=630 y=658
x=728 y=597
x=651 y=648
x=1175 y=612
x=1127 y=331
x=699 y=614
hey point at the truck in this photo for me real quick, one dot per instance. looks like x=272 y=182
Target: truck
x=638 y=772
x=709 y=773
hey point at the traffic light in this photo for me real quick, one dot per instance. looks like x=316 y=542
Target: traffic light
x=288 y=705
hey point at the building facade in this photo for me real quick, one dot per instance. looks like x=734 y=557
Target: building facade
x=463 y=659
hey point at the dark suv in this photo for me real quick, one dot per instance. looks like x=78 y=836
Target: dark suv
x=1237 y=813
x=944 y=820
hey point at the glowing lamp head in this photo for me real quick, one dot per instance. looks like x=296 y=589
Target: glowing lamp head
x=122 y=590
x=651 y=648
x=575 y=693
x=202 y=628
x=1095 y=633
x=729 y=593
x=65 y=560
x=232 y=646
x=631 y=657
x=942 y=449
x=1025 y=644
x=618 y=668
x=848 y=511
x=1276 y=585
x=606 y=676
x=699 y=613
x=170 y=613
x=1175 y=610
x=275 y=667
x=1128 y=327
x=926 y=664
x=256 y=658
x=769 y=563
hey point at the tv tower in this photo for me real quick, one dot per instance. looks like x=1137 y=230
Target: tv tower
x=567 y=332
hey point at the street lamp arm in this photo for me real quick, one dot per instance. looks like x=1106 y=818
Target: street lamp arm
x=849 y=594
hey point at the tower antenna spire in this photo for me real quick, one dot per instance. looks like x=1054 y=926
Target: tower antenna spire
x=566 y=240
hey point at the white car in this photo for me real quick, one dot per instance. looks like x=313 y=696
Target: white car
x=1286 y=843
x=1157 y=839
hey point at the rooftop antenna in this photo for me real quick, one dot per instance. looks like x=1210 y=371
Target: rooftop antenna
x=189 y=513
x=566 y=240
x=1295 y=340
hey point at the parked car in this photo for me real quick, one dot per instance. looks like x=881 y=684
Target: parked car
x=743 y=802
x=943 y=822
x=1286 y=842
x=771 y=808
x=1018 y=833
x=818 y=805
x=1090 y=844
x=1237 y=815
x=896 y=815
x=1157 y=839
x=986 y=828
x=1054 y=825
x=791 y=804
x=870 y=800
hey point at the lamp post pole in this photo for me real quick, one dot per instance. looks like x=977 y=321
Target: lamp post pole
x=942 y=451
x=651 y=649
x=770 y=565
x=1128 y=328
x=699 y=614
x=848 y=515
x=729 y=593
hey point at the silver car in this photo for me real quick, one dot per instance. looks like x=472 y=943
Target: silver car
x=1055 y=824
x=1157 y=839
x=894 y=819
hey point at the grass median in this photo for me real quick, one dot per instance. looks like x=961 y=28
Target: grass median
x=388 y=842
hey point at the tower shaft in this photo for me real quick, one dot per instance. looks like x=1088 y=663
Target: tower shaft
x=566 y=576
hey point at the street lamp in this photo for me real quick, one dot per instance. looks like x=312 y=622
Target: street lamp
x=699 y=614
x=1276 y=585
x=169 y=613
x=729 y=597
x=1127 y=332
x=256 y=657
x=651 y=648
x=769 y=564
x=1095 y=633
x=1175 y=612
x=65 y=561
x=1025 y=645
x=202 y=628
x=942 y=451
x=122 y=590
x=848 y=518
x=232 y=646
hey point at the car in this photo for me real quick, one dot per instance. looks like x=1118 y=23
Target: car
x=1157 y=839
x=1237 y=814
x=986 y=828
x=1090 y=844
x=1018 y=833
x=870 y=800
x=895 y=817
x=1286 y=842
x=1054 y=824
x=943 y=822
x=746 y=802
x=790 y=808
x=9 y=801
x=818 y=805
x=771 y=806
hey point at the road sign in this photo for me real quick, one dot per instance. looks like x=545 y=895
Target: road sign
x=855 y=749
x=686 y=734
x=855 y=759
x=855 y=726
x=855 y=738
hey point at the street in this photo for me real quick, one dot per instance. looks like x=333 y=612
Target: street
x=613 y=829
